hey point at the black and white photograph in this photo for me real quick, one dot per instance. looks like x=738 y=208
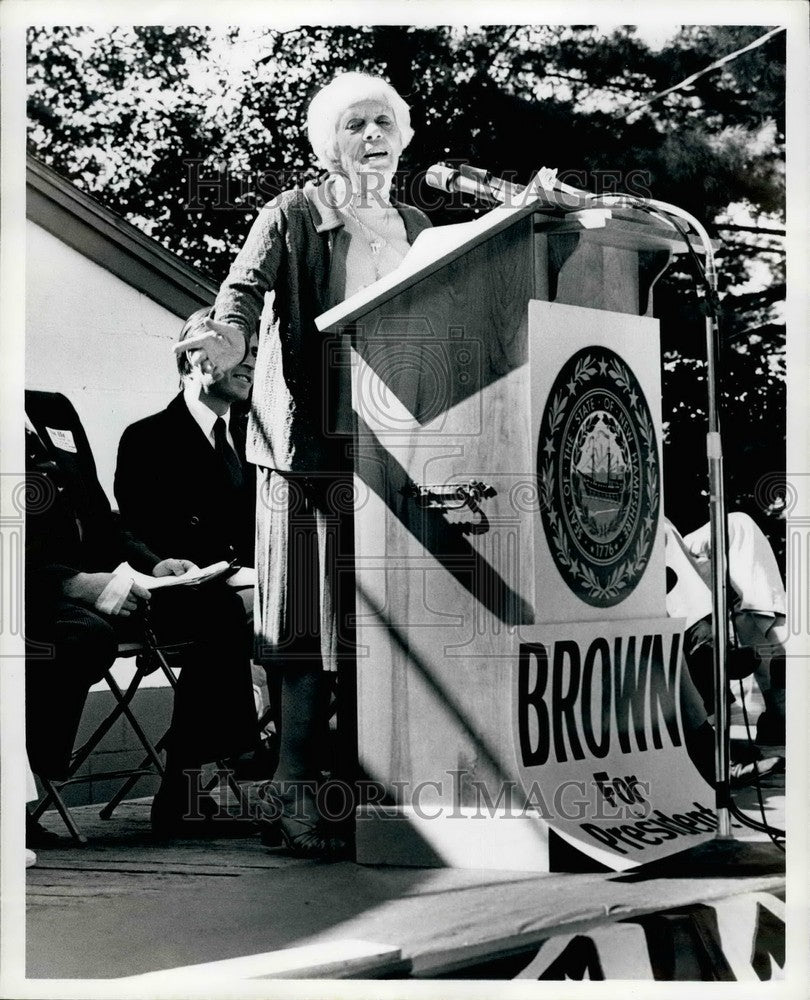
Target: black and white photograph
x=404 y=502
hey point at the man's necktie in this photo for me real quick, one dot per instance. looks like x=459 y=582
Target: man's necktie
x=229 y=458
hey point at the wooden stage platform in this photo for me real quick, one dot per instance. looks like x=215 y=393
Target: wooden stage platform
x=125 y=906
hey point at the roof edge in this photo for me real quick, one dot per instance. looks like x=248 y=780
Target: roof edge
x=78 y=220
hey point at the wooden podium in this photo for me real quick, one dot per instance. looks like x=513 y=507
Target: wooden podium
x=452 y=363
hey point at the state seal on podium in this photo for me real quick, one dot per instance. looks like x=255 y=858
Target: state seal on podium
x=598 y=477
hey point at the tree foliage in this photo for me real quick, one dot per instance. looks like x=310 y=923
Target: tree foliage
x=133 y=115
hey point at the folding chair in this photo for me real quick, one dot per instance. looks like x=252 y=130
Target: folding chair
x=149 y=657
x=145 y=766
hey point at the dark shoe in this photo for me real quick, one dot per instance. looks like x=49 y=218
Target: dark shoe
x=36 y=836
x=741 y=775
x=258 y=765
x=771 y=730
x=172 y=818
x=270 y=834
x=744 y=752
x=746 y=765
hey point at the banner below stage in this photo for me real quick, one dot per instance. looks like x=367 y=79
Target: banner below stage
x=597 y=732
x=739 y=939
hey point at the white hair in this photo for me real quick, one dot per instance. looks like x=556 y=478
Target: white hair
x=332 y=100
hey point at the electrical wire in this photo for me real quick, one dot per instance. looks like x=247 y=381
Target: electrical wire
x=708 y=69
x=773 y=832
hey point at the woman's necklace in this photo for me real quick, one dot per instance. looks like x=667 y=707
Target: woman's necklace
x=376 y=241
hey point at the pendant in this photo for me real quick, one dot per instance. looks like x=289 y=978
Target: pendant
x=375 y=246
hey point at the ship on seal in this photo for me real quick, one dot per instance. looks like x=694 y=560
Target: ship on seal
x=601 y=463
x=601 y=472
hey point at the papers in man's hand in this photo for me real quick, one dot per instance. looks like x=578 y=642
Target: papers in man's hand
x=193 y=576
x=112 y=598
x=245 y=576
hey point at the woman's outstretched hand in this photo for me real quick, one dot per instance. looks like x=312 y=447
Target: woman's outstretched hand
x=215 y=349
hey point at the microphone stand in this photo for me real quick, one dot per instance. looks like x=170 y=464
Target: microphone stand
x=717 y=518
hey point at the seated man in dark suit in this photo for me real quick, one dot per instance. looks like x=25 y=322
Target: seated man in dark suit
x=181 y=481
x=73 y=544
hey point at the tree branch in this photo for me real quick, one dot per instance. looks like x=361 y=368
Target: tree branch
x=752 y=229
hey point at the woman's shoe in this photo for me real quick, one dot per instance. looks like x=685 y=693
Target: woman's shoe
x=304 y=838
x=292 y=819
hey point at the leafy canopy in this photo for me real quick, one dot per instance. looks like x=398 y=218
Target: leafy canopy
x=133 y=115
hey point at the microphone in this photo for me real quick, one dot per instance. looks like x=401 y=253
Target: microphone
x=474 y=181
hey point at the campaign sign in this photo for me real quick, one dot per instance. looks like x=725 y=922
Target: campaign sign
x=599 y=741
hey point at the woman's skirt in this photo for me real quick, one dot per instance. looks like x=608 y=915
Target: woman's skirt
x=304 y=610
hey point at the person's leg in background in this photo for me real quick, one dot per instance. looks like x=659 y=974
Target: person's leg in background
x=82 y=644
x=700 y=739
x=260 y=760
x=214 y=715
x=759 y=616
x=697 y=730
x=767 y=635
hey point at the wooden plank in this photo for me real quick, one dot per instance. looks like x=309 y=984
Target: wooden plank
x=465 y=945
x=580 y=281
x=326 y=960
x=486 y=230
x=599 y=275
x=633 y=231
x=541 y=265
x=620 y=270
x=125 y=843
x=631 y=235
x=443 y=919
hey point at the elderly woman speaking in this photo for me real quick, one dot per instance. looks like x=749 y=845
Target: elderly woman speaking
x=310 y=249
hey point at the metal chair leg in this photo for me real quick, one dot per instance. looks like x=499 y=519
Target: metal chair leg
x=80 y=754
x=225 y=775
x=123 y=702
x=153 y=753
x=123 y=699
x=129 y=784
x=52 y=793
x=78 y=757
x=45 y=801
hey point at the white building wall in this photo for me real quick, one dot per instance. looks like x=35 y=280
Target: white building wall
x=96 y=339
